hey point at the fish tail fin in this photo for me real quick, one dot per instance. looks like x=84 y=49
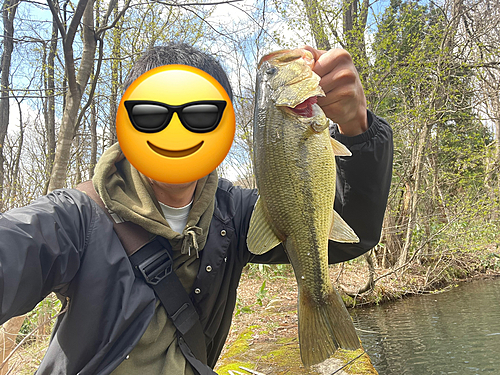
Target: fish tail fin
x=323 y=327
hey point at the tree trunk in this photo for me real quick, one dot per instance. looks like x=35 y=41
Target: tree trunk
x=115 y=80
x=316 y=23
x=391 y=238
x=76 y=85
x=354 y=19
x=14 y=186
x=78 y=158
x=8 y=13
x=416 y=177
x=50 y=122
x=93 y=139
x=495 y=109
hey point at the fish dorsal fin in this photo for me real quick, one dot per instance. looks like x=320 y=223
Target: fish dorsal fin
x=341 y=231
x=339 y=149
x=261 y=237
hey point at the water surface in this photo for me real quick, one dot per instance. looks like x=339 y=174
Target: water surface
x=456 y=332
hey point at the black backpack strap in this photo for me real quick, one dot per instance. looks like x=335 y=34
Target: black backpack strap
x=154 y=263
x=152 y=260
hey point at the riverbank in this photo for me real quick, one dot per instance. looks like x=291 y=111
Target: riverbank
x=428 y=275
x=264 y=334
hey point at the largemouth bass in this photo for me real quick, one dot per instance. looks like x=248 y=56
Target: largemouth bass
x=294 y=161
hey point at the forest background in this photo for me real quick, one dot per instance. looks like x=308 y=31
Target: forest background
x=431 y=68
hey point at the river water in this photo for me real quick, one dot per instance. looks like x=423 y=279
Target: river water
x=456 y=332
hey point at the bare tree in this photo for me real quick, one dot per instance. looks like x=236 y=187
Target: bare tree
x=49 y=101
x=8 y=13
x=77 y=81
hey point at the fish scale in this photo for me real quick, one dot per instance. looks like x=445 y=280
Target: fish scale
x=294 y=164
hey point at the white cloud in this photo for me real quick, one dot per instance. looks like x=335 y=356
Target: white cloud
x=27 y=113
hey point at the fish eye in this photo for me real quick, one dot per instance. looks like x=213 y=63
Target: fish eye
x=271 y=71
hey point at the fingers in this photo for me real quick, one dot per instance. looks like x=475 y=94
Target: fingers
x=332 y=60
x=339 y=78
x=315 y=52
x=339 y=85
x=345 y=101
x=339 y=81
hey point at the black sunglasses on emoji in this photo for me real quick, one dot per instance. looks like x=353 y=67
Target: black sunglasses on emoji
x=151 y=117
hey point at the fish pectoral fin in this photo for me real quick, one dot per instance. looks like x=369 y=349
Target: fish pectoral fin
x=261 y=237
x=339 y=149
x=341 y=231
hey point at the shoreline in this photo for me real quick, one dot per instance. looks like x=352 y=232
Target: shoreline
x=416 y=279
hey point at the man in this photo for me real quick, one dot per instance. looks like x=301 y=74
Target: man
x=65 y=243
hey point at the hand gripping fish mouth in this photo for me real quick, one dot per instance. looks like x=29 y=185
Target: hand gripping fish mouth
x=295 y=91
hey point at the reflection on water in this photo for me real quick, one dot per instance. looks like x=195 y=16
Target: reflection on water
x=457 y=332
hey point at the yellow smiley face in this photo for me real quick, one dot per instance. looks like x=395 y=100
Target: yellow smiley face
x=175 y=124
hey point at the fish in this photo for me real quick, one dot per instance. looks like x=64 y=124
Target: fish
x=295 y=172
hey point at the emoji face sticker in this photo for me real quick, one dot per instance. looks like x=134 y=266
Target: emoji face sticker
x=175 y=124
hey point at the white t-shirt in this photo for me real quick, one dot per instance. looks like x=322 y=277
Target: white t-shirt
x=176 y=217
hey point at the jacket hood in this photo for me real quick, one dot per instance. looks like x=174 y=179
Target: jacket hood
x=128 y=196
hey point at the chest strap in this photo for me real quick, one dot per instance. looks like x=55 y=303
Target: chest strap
x=152 y=260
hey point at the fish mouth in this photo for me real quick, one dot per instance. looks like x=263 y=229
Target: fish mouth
x=175 y=153
x=305 y=109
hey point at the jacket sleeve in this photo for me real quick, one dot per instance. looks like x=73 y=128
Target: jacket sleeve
x=363 y=182
x=40 y=249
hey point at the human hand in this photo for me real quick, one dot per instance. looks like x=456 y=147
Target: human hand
x=345 y=101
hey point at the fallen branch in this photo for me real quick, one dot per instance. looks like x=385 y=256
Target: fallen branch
x=347 y=364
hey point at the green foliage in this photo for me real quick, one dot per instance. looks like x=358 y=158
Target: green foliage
x=242 y=309
x=40 y=318
x=491 y=261
x=261 y=295
x=424 y=88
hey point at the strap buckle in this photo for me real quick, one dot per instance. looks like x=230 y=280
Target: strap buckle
x=156 y=267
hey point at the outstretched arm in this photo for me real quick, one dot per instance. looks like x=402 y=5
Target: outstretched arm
x=40 y=250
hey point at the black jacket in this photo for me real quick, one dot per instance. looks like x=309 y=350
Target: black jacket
x=64 y=242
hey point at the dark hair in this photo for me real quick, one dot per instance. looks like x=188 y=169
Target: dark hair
x=178 y=53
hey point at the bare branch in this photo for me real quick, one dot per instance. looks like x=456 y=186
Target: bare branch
x=102 y=30
x=55 y=14
x=31 y=334
x=208 y=23
x=193 y=4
